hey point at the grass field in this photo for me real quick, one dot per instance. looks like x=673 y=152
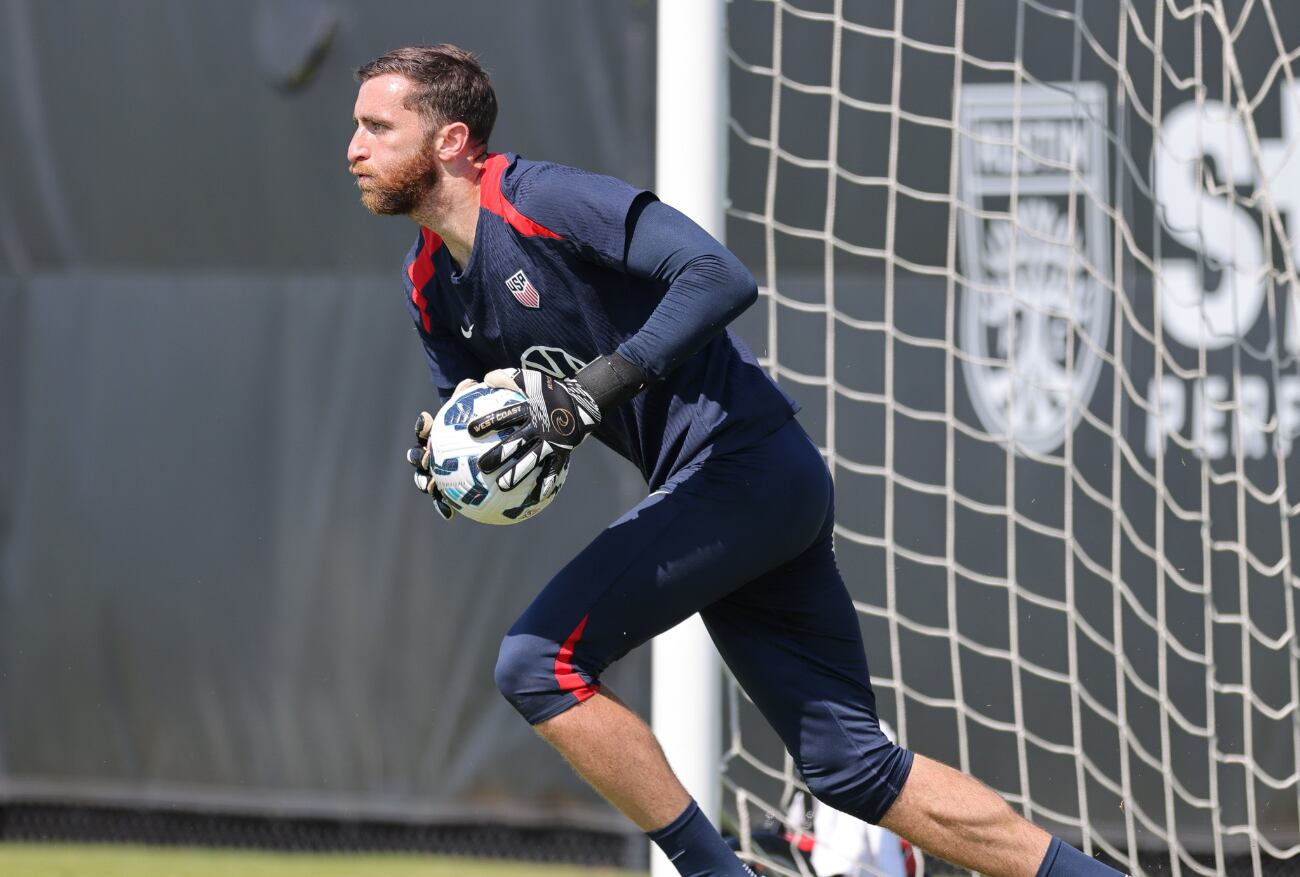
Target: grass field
x=92 y=860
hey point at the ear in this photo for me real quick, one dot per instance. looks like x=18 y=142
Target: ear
x=453 y=141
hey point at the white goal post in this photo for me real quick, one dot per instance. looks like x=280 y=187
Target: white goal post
x=690 y=174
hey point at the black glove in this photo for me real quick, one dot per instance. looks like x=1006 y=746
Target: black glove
x=418 y=457
x=557 y=416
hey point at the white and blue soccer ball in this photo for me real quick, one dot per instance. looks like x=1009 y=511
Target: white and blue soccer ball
x=453 y=461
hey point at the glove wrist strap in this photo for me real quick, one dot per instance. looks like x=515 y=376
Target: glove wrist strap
x=611 y=380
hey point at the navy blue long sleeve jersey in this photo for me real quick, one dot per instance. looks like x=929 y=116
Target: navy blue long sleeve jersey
x=567 y=266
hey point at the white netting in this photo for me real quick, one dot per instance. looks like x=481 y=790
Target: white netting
x=1026 y=267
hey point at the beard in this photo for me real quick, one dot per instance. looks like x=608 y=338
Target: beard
x=404 y=189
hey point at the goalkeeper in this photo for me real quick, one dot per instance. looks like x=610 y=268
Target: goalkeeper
x=519 y=261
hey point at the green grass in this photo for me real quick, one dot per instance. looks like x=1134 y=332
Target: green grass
x=94 y=860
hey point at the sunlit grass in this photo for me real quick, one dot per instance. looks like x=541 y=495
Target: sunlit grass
x=96 y=860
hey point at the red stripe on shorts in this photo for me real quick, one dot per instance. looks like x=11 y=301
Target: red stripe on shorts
x=569 y=678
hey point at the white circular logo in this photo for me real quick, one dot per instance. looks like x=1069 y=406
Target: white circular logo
x=1033 y=341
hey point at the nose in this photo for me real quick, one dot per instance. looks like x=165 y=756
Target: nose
x=357 y=150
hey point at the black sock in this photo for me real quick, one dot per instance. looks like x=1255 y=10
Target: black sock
x=696 y=849
x=1063 y=860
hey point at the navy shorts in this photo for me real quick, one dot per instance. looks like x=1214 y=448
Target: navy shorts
x=743 y=538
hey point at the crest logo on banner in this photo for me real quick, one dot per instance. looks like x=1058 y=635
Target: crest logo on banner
x=1035 y=307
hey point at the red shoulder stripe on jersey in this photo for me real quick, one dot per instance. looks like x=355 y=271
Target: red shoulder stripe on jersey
x=421 y=271
x=490 y=197
x=569 y=678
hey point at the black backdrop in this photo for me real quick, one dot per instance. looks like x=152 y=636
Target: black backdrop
x=217 y=588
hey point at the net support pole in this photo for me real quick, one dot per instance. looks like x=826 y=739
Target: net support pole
x=690 y=174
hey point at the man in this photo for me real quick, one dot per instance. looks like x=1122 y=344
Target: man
x=518 y=259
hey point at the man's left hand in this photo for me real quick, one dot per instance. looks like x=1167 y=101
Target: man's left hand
x=557 y=416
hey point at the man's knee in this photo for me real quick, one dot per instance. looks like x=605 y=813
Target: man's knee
x=514 y=667
x=862 y=783
x=539 y=677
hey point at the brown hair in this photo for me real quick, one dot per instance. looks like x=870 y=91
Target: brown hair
x=450 y=86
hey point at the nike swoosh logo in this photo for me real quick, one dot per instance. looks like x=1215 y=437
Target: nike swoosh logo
x=467 y=332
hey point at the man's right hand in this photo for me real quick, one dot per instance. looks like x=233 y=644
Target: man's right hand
x=418 y=457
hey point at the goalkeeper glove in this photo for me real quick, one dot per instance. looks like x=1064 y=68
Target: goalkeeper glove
x=557 y=414
x=418 y=457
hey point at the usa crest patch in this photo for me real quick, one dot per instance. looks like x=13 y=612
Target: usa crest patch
x=523 y=290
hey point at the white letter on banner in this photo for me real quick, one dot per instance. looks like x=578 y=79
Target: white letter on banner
x=1167 y=411
x=1208 y=223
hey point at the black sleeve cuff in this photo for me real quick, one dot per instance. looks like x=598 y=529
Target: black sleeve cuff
x=611 y=381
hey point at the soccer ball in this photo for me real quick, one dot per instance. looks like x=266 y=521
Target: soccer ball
x=453 y=461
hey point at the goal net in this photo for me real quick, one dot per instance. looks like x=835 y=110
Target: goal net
x=1027 y=266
